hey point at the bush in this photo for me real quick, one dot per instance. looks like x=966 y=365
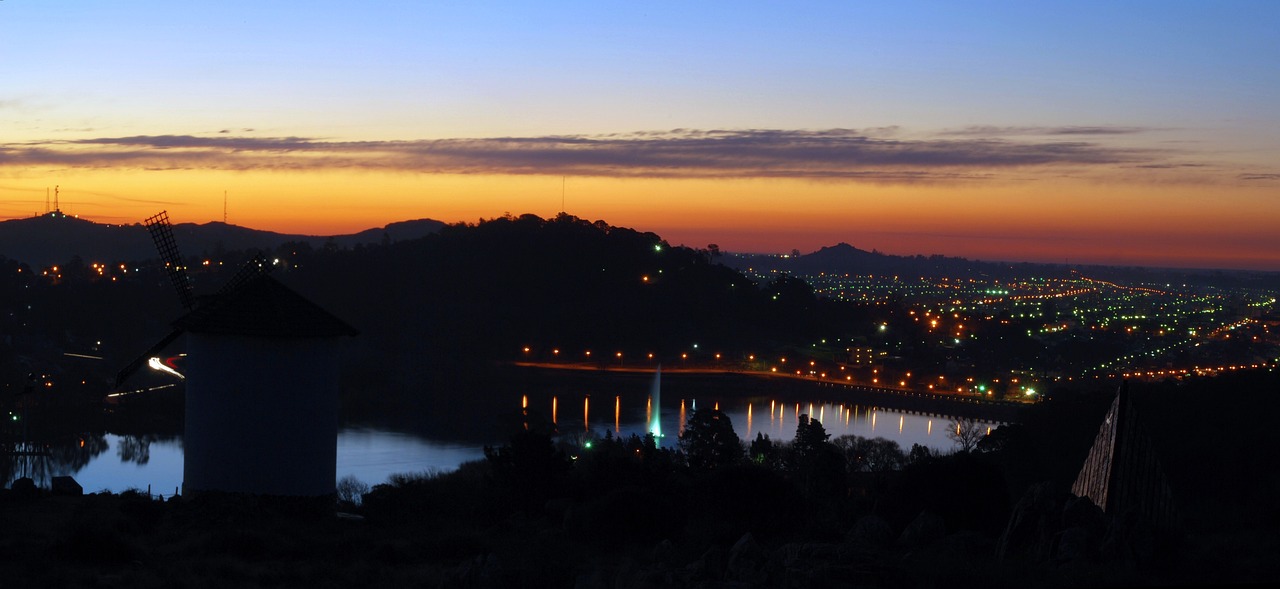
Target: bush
x=351 y=490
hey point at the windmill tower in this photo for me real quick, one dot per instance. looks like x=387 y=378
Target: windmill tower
x=261 y=386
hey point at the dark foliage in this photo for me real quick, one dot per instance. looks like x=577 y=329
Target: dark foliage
x=967 y=490
x=529 y=468
x=709 y=441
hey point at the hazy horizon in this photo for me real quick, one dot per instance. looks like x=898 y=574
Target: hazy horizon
x=779 y=252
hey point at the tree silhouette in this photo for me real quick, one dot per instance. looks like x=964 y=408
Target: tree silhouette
x=529 y=467
x=966 y=434
x=709 y=441
x=810 y=436
x=817 y=464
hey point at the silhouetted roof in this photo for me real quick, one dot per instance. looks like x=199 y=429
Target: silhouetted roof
x=263 y=307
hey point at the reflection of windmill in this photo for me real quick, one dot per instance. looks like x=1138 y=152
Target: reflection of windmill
x=262 y=386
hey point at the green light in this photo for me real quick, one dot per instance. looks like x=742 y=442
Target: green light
x=982 y=388
x=587 y=445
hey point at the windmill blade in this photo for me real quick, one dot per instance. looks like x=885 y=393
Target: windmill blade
x=162 y=234
x=255 y=266
x=133 y=367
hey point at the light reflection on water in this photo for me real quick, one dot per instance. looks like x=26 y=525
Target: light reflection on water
x=372 y=454
x=631 y=414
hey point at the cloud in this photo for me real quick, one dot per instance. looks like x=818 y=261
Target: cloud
x=831 y=154
x=1259 y=176
x=188 y=141
x=992 y=131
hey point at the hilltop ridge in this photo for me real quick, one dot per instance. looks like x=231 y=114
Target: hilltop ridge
x=55 y=238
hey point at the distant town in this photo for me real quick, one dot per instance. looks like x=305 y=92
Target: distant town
x=993 y=331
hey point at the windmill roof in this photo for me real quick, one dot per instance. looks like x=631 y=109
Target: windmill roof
x=263 y=307
x=1122 y=471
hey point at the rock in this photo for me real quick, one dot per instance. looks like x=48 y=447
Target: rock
x=1081 y=512
x=1034 y=522
x=710 y=566
x=871 y=531
x=481 y=571
x=748 y=562
x=967 y=545
x=591 y=580
x=663 y=552
x=1075 y=544
x=1130 y=539
x=925 y=529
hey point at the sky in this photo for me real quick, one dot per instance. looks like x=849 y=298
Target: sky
x=1091 y=132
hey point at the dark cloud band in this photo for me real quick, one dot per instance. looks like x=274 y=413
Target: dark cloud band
x=681 y=153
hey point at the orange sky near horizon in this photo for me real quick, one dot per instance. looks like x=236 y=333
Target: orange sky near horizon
x=1071 y=221
x=1089 y=131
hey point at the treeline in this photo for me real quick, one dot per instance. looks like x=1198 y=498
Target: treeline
x=596 y=501
x=816 y=511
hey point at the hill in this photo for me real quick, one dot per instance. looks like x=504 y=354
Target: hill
x=843 y=258
x=56 y=238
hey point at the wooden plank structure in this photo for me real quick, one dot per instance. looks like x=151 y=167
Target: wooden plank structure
x=1121 y=473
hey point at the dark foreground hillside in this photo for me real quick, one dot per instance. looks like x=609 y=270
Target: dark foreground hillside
x=546 y=511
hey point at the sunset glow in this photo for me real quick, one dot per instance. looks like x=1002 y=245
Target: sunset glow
x=1083 y=132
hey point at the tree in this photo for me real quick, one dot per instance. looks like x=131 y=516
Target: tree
x=817 y=464
x=764 y=452
x=351 y=490
x=871 y=455
x=709 y=441
x=966 y=434
x=810 y=436
x=920 y=454
x=529 y=468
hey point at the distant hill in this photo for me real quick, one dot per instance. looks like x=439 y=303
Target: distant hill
x=56 y=238
x=843 y=258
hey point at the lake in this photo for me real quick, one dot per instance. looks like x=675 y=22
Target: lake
x=373 y=452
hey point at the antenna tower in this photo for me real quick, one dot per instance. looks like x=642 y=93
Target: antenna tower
x=56 y=208
x=162 y=235
x=224 y=207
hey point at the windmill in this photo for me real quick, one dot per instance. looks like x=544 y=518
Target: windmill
x=262 y=385
x=162 y=234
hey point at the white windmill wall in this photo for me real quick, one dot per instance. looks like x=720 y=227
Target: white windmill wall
x=261 y=415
